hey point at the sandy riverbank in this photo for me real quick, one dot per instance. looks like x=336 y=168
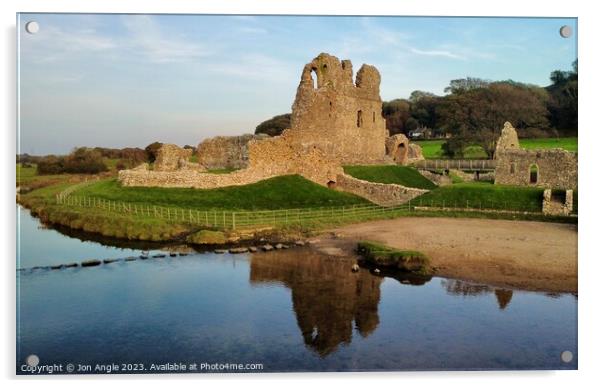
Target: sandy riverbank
x=518 y=254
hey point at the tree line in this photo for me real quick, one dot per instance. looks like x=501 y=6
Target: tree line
x=473 y=111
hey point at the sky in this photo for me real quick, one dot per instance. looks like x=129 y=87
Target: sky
x=128 y=80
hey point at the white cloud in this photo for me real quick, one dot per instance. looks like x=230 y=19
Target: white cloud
x=436 y=53
x=148 y=39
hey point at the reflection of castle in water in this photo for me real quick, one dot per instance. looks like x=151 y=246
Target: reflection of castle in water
x=327 y=297
x=459 y=287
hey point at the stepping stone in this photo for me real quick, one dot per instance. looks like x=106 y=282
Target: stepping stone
x=131 y=258
x=267 y=247
x=239 y=250
x=172 y=254
x=183 y=254
x=299 y=243
x=60 y=266
x=220 y=251
x=109 y=261
x=91 y=263
x=278 y=246
x=160 y=256
x=253 y=249
x=71 y=265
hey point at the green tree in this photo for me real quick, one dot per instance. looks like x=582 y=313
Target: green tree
x=563 y=103
x=396 y=114
x=275 y=125
x=151 y=151
x=479 y=113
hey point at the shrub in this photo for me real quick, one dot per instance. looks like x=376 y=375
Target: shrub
x=80 y=161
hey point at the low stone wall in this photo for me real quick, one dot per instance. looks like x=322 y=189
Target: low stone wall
x=380 y=193
x=552 y=206
x=270 y=157
x=188 y=178
x=438 y=179
x=556 y=168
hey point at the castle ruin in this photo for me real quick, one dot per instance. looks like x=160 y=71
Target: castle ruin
x=334 y=122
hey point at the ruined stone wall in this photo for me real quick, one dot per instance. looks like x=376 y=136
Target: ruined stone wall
x=380 y=193
x=226 y=151
x=414 y=153
x=397 y=147
x=552 y=206
x=170 y=157
x=269 y=158
x=508 y=139
x=401 y=151
x=338 y=115
x=557 y=168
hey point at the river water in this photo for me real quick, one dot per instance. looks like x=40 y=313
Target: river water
x=290 y=310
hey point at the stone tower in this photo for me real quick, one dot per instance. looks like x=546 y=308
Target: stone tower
x=342 y=117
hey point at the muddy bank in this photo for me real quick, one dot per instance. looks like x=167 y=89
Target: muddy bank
x=538 y=256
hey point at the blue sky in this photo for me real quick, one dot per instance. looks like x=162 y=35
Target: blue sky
x=129 y=80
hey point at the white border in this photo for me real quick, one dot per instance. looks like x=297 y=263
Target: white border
x=589 y=147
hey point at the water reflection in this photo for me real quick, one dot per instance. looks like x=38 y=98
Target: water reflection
x=460 y=287
x=328 y=299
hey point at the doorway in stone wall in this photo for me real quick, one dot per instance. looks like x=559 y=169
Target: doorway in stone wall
x=400 y=153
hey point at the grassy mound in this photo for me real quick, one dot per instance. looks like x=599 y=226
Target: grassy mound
x=484 y=195
x=284 y=192
x=383 y=256
x=405 y=176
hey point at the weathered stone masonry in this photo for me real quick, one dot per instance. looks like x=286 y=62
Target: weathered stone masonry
x=549 y=168
x=226 y=151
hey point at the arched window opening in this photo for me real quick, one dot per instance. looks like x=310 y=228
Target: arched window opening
x=331 y=184
x=314 y=78
x=359 y=118
x=512 y=168
x=533 y=173
x=373 y=117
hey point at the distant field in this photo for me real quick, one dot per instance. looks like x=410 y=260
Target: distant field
x=284 y=192
x=25 y=174
x=431 y=149
x=405 y=176
x=567 y=143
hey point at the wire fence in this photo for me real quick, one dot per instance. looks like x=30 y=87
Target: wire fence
x=226 y=219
